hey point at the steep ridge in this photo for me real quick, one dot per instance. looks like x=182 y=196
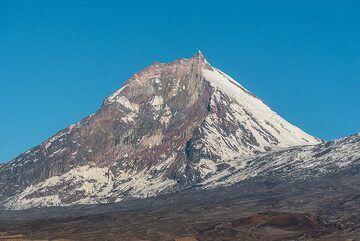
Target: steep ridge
x=168 y=128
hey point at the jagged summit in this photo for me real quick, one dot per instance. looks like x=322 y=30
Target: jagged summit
x=169 y=127
x=199 y=55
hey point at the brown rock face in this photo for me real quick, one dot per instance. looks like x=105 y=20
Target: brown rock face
x=158 y=121
x=151 y=120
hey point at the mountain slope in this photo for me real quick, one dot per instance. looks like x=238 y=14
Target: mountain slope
x=166 y=129
x=302 y=163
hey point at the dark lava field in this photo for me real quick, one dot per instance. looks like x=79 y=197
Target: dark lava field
x=323 y=209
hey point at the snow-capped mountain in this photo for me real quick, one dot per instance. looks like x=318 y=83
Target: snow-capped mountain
x=171 y=126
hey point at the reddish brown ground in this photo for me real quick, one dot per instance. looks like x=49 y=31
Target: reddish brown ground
x=186 y=239
x=280 y=220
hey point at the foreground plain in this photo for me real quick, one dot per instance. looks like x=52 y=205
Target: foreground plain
x=323 y=209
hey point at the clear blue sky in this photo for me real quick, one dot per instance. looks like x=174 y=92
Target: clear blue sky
x=59 y=59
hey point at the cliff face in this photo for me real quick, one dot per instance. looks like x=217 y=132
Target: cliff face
x=169 y=127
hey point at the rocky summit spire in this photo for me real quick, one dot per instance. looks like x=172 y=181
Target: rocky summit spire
x=199 y=55
x=200 y=58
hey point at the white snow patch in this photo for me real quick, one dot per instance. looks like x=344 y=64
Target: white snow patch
x=127 y=104
x=157 y=102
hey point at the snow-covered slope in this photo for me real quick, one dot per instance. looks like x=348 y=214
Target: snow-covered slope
x=255 y=115
x=170 y=127
x=240 y=124
x=292 y=164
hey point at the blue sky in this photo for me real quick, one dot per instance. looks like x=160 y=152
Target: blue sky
x=60 y=59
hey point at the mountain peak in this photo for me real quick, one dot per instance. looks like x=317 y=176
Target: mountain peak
x=169 y=127
x=199 y=55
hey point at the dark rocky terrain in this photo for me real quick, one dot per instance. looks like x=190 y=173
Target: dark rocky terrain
x=325 y=209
